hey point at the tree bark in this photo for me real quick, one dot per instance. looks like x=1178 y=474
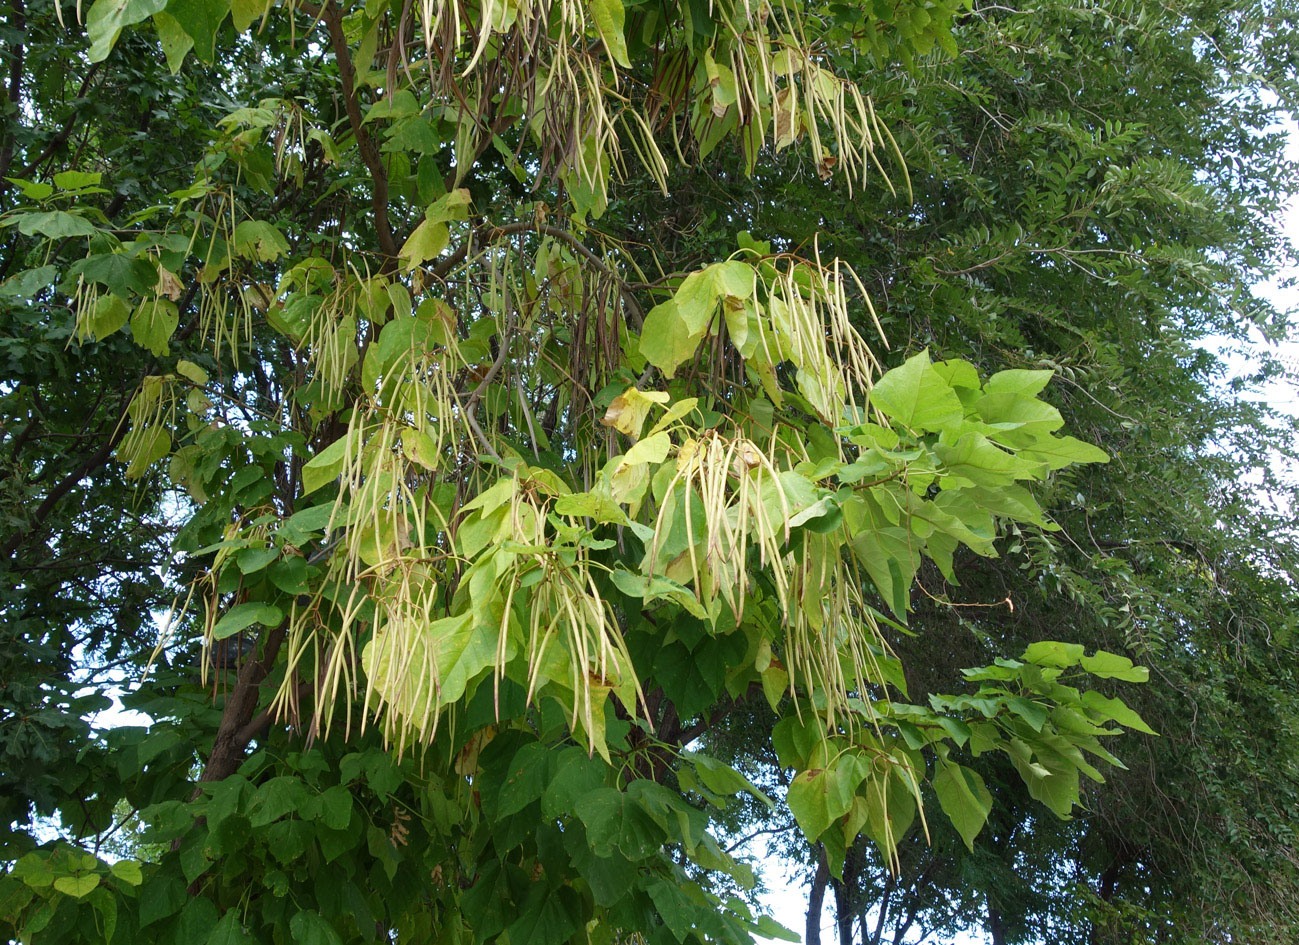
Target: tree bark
x=236 y=730
x=846 y=895
x=816 y=900
x=996 y=928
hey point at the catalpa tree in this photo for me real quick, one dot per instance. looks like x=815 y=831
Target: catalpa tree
x=491 y=511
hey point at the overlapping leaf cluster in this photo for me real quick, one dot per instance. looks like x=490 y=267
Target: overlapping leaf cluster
x=489 y=514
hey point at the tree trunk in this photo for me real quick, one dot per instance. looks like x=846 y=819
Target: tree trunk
x=816 y=901
x=996 y=928
x=846 y=894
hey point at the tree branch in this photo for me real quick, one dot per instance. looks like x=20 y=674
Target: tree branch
x=332 y=17
x=43 y=511
x=63 y=134
x=17 y=53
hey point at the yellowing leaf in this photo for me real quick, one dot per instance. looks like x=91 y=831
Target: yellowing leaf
x=452 y=205
x=425 y=242
x=325 y=465
x=77 y=886
x=244 y=12
x=652 y=449
x=257 y=239
x=141 y=448
x=628 y=410
x=191 y=371
x=106 y=19
x=675 y=413
x=665 y=339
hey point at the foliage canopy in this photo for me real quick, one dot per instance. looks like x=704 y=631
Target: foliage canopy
x=500 y=388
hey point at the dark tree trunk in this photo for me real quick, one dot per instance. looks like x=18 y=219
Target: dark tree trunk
x=816 y=901
x=847 y=894
x=996 y=928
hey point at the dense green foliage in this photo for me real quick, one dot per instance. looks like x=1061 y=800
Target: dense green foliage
x=500 y=392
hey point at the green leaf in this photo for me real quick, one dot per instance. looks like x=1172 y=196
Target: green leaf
x=817 y=798
x=770 y=928
x=107 y=18
x=976 y=459
x=34 y=870
x=30 y=282
x=1024 y=383
x=1113 y=666
x=230 y=931
x=109 y=315
x=128 y=871
x=964 y=798
x=615 y=822
x=53 y=224
x=276 y=798
x=525 y=780
x=1053 y=653
x=917 y=396
x=676 y=909
x=31 y=189
x=402 y=105
x=609 y=17
x=153 y=324
x=77 y=886
x=1116 y=710
x=200 y=19
x=310 y=928
x=1061 y=451
x=196 y=920
x=666 y=339
x=336 y=807
x=242 y=616
x=547 y=917
x=122 y=274
x=576 y=776
x=1030 y=712
x=721 y=778
x=161 y=897
x=76 y=180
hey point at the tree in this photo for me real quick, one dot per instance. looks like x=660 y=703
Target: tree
x=504 y=481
